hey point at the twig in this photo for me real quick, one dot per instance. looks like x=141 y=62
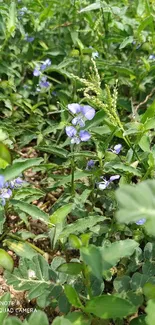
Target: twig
x=145 y=100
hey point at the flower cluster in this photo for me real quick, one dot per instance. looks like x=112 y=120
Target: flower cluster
x=45 y=64
x=152 y=57
x=7 y=187
x=83 y=113
x=105 y=183
x=22 y=11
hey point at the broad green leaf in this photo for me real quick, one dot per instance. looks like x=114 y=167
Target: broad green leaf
x=4 y=303
x=144 y=143
x=12 y=321
x=6 y=261
x=149 y=290
x=150 y=310
x=100 y=259
x=20 y=248
x=59 y=215
x=109 y=307
x=72 y=296
x=80 y=226
x=32 y=210
x=63 y=180
x=39 y=318
x=137 y=202
x=17 y=168
x=5 y=154
x=72 y=268
x=122 y=167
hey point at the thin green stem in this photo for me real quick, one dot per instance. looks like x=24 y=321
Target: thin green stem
x=40 y=251
x=72 y=172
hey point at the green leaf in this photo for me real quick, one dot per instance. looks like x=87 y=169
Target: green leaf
x=137 y=202
x=150 y=310
x=55 y=150
x=12 y=321
x=138 y=321
x=32 y=210
x=80 y=226
x=149 y=290
x=5 y=154
x=147 y=21
x=11 y=23
x=94 y=6
x=6 y=261
x=20 y=248
x=144 y=143
x=72 y=268
x=72 y=296
x=77 y=318
x=4 y=302
x=59 y=215
x=100 y=259
x=109 y=307
x=126 y=41
x=39 y=318
x=17 y=168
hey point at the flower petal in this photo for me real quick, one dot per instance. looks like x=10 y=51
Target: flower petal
x=70 y=131
x=84 y=135
x=1 y=181
x=74 y=108
x=88 y=112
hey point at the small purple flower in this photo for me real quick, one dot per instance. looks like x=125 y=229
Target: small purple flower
x=113 y=178
x=117 y=149
x=90 y=164
x=152 y=57
x=29 y=39
x=95 y=55
x=22 y=11
x=71 y=131
x=45 y=64
x=141 y=222
x=78 y=121
x=84 y=135
x=105 y=183
x=1 y=181
x=18 y=181
x=74 y=108
x=36 y=72
x=43 y=83
x=75 y=140
x=88 y=112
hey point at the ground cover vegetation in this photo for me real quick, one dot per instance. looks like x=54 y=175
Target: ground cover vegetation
x=77 y=162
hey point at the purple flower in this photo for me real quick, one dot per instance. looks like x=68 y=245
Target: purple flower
x=152 y=57
x=5 y=194
x=22 y=11
x=71 y=131
x=88 y=112
x=117 y=149
x=95 y=55
x=113 y=178
x=75 y=140
x=90 y=164
x=18 y=181
x=74 y=108
x=1 y=181
x=78 y=121
x=45 y=64
x=36 y=72
x=105 y=183
x=84 y=135
x=141 y=222
x=43 y=83
x=29 y=39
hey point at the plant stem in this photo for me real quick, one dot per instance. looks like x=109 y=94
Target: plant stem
x=72 y=172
